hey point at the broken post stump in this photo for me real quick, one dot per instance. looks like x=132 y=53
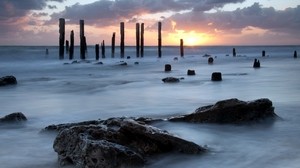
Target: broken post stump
x=61 y=37
x=97 y=51
x=122 y=45
x=168 y=67
x=71 y=52
x=216 y=76
x=142 y=40
x=137 y=39
x=181 y=48
x=113 y=44
x=159 y=39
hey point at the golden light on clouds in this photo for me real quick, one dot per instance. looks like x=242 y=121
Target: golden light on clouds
x=191 y=38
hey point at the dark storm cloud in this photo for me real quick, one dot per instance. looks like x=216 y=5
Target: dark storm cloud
x=287 y=20
x=104 y=12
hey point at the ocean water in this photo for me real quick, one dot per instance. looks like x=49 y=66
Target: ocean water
x=50 y=92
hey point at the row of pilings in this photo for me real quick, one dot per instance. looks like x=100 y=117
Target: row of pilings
x=83 y=41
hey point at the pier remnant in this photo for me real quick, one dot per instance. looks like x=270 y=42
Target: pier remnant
x=103 y=49
x=137 y=38
x=216 y=76
x=67 y=47
x=113 y=44
x=168 y=67
x=256 y=63
x=122 y=45
x=159 y=39
x=191 y=72
x=71 y=52
x=142 y=40
x=234 y=52
x=263 y=53
x=82 y=40
x=97 y=51
x=61 y=37
x=181 y=48
x=210 y=60
x=295 y=54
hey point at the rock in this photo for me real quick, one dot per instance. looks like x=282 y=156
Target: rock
x=13 y=117
x=171 y=80
x=168 y=68
x=231 y=111
x=8 y=80
x=191 y=72
x=216 y=76
x=116 y=142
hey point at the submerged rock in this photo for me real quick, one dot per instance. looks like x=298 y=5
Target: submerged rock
x=231 y=111
x=8 y=80
x=13 y=117
x=171 y=80
x=116 y=142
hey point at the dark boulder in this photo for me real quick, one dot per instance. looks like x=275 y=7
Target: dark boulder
x=8 y=80
x=191 y=72
x=13 y=118
x=231 y=111
x=168 y=67
x=171 y=80
x=116 y=142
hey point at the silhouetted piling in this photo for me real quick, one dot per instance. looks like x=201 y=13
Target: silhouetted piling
x=97 y=51
x=181 y=48
x=168 y=67
x=61 y=37
x=82 y=40
x=113 y=44
x=103 y=49
x=234 y=52
x=142 y=40
x=210 y=60
x=47 y=51
x=263 y=53
x=256 y=63
x=295 y=54
x=122 y=45
x=71 y=52
x=67 y=47
x=137 y=39
x=191 y=72
x=216 y=76
x=159 y=39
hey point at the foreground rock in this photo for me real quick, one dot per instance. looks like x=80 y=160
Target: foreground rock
x=231 y=111
x=8 y=80
x=116 y=142
x=13 y=118
x=171 y=80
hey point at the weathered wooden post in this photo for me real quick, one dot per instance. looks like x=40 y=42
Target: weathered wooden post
x=234 y=52
x=168 y=67
x=71 y=52
x=67 y=47
x=97 y=51
x=181 y=48
x=159 y=39
x=295 y=54
x=216 y=76
x=137 y=39
x=122 y=45
x=142 y=40
x=113 y=44
x=61 y=37
x=263 y=53
x=82 y=40
x=103 y=49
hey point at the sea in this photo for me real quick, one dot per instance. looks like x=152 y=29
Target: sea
x=54 y=91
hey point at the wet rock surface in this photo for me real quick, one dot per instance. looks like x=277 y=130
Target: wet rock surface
x=16 y=117
x=116 y=142
x=8 y=80
x=231 y=111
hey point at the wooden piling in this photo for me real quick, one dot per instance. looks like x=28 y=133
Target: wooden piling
x=234 y=52
x=103 y=49
x=295 y=54
x=97 y=51
x=137 y=39
x=82 y=40
x=181 y=48
x=142 y=40
x=71 y=52
x=67 y=47
x=122 y=45
x=263 y=53
x=159 y=39
x=113 y=44
x=61 y=37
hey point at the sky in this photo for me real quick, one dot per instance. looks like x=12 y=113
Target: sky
x=197 y=22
